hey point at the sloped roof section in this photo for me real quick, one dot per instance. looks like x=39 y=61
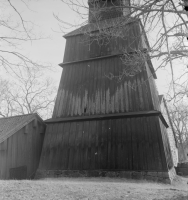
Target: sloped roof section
x=10 y=125
x=105 y=24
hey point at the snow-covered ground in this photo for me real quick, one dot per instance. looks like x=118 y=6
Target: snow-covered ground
x=93 y=189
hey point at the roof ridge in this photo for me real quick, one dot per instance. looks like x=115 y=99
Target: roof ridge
x=18 y=116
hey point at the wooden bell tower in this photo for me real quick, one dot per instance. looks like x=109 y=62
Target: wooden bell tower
x=107 y=119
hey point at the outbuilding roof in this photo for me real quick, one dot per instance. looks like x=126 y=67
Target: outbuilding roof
x=10 y=125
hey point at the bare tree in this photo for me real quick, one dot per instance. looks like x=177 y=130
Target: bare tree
x=30 y=92
x=164 y=21
x=15 y=31
x=179 y=117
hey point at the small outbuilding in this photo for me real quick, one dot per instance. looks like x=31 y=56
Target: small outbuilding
x=21 y=140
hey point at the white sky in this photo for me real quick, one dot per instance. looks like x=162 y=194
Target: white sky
x=51 y=50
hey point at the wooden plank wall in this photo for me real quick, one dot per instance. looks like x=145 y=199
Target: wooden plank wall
x=166 y=146
x=153 y=89
x=82 y=46
x=22 y=149
x=111 y=144
x=94 y=87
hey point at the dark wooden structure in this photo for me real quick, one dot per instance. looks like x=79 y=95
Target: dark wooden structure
x=21 y=139
x=104 y=122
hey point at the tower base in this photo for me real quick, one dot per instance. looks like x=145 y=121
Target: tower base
x=164 y=177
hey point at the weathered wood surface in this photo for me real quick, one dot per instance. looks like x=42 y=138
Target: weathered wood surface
x=92 y=88
x=83 y=46
x=22 y=149
x=112 y=144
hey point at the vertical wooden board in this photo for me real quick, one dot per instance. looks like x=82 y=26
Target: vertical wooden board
x=136 y=91
x=80 y=89
x=72 y=156
x=89 y=144
x=76 y=155
x=86 y=52
x=76 y=96
x=122 y=92
x=90 y=88
x=66 y=94
x=81 y=47
x=107 y=86
x=161 y=145
x=120 y=86
x=125 y=160
x=97 y=149
x=73 y=48
x=98 y=143
x=98 y=88
x=140 y=94
x=14 y=150
x=134 y=143
x=129 y=140
x=18 y=142
x=130 y=96
x=104 y=144
x=119 y=144
x=126 y=99
x=166 y=145
x=52 y=146
x=139 y=143
x=156 y=143
x=150 y=140
x=70 y=56
x=134 y=94
x=145 y=90
x=73 y=107
x=58 y=136
x=112 y=85
x=77 y=47
x=61 y=92
x=116 y=96
x=78 y=144
x=57 y=102
x=7 y=157
x=109 y=144
x=67 y=50
x=113 y=144
x=85 y=89
x=95 y=95
x=146 y=144
x=103 y=101
x=85 y=145
x=44 y=159
x=142 y=147
x=65 y=146
x=70 y=89
x=149 y=93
